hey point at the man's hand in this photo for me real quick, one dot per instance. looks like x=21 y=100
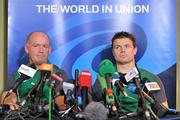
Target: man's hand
x=59 y=100
x=10 y=100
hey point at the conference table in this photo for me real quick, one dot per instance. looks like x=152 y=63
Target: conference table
x=25 y=115
x=171 y=117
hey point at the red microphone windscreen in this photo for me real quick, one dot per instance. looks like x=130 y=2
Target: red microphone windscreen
x=85 y=79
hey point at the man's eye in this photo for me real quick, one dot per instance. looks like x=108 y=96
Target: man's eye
x=116 y=47
x=46 y=46
x=35 y=45
x=127 y=46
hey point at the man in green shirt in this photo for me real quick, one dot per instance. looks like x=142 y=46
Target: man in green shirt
x=124 y=50
x=38 y=48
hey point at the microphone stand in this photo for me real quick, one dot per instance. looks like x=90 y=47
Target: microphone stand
x=69 y=99
x=76 y=91
x=84 y=97
x=35 y=109
x=75 y=107
x=52 y=100
x=22 y=103
x=112 y=106
x=39 y=93
x=142 y=99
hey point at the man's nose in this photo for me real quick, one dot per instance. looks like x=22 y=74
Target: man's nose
x=41 y=49
x=122 y=49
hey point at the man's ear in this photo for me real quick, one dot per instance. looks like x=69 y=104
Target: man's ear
x=112 y=51
x=50 y=49
x=26 y=49
x=135 y=50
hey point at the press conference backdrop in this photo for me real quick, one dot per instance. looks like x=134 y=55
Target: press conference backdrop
x=81 y=32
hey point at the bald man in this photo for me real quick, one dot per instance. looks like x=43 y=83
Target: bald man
x=38 y=48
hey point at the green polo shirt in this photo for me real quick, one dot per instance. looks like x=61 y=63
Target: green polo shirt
x=130 y=103
x=28 y=84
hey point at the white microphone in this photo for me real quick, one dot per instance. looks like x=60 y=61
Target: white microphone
x=25 y=72
x=67 y=86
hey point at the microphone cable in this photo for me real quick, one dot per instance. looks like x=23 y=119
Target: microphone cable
x=16 y=114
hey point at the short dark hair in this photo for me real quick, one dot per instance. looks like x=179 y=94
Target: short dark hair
x=123 y=34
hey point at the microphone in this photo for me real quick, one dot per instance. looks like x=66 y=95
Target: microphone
x=51 y=79
x=96 y=111
x=132 y=87
x=131 y=74
x=76 y=76
x=67 y=86
x=102 y=82
x=134 y=75
x=68 y=91
x=106 y=69
x=139 y=90
x=69 y=98
x=46 y=72
x=85 y=81
x=26 y=73
x=46 y=67
x=115 y=82
x=55 y=76
x=152 y=86
x=49 y=69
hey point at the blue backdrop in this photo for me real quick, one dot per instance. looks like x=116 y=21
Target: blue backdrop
x=81 y=32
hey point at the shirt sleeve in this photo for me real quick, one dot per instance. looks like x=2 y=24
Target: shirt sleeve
x=10 y=83
x=96 y=92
